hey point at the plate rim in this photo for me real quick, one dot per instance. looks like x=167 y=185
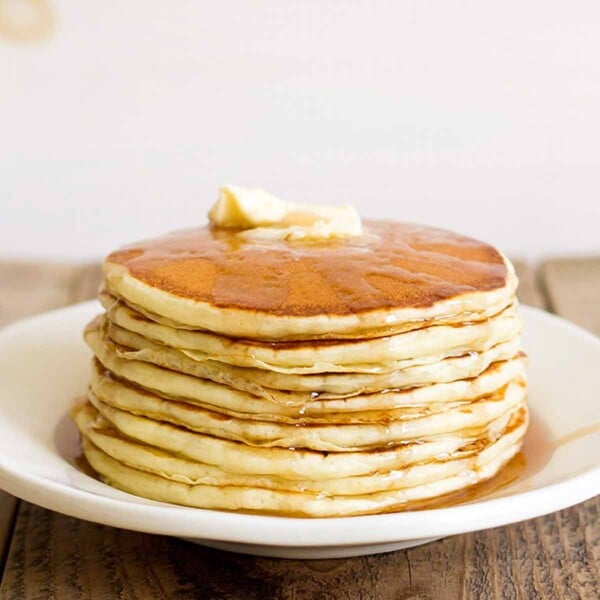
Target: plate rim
x=242 y=528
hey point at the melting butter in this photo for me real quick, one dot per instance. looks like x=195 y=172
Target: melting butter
x=261 y=215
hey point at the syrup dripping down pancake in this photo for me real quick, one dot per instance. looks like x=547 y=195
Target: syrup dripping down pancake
x=394 y=274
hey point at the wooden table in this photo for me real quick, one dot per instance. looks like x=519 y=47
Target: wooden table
x=47 y=555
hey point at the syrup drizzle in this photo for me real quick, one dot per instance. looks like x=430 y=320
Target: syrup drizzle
x=393 y=265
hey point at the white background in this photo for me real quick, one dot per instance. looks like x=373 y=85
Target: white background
x=479 y=116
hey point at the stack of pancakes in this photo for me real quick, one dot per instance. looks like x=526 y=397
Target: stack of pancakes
x=322 y=378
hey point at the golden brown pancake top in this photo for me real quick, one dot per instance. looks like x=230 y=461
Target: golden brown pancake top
x=392 y=265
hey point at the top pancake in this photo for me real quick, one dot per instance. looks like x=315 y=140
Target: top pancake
x=395 y=273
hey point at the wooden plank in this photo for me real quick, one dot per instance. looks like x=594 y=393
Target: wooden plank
x=26 y=289
x=53 y=556
x=550 y=558
x=573 y=290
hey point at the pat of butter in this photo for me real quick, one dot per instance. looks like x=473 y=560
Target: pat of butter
x=262 y=216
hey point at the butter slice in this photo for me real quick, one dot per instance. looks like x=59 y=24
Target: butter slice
x=261 y=215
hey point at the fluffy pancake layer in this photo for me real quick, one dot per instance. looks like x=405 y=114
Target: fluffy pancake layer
x=396 y=383
x=167 y=477
x=395 y=276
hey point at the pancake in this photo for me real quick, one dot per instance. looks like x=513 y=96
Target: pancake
x=287 y=371
x=108 y=300
x=236 y=498
x=149 y=364
x=177 y=468
x=395 y=273
x=386 y=354
x=293 y=463
x=334 y=437
x=382 y=407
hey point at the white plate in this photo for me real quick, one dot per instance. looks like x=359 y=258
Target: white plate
x=44 y=365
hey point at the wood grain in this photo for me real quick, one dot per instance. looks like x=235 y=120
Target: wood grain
x=53 y=556
x=8 y=507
